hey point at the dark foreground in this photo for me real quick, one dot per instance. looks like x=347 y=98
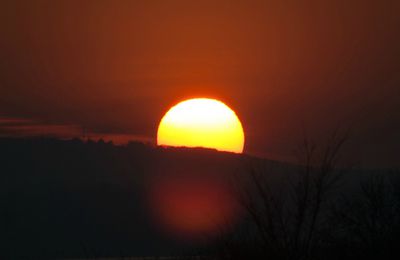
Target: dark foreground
x=79 y=200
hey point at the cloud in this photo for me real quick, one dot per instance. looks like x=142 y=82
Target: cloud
x=4 y=121
x=19 y=127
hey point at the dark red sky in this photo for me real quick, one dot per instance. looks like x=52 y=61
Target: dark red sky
x=285 y=66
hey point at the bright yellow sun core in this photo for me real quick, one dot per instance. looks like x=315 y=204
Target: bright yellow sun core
x=201 y=122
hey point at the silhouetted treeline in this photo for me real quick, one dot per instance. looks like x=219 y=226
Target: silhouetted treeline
x=75 y=199
x=318 y=210
x=69 y=198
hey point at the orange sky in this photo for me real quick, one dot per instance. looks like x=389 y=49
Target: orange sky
x=284 y=66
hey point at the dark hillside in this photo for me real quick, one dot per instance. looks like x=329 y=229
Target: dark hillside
x=74 y=199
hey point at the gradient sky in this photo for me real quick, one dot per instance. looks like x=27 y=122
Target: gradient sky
x=285 y=67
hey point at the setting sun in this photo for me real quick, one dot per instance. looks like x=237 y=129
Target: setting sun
x=202 y=122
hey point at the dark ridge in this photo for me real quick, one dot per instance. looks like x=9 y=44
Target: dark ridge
x=76 y=199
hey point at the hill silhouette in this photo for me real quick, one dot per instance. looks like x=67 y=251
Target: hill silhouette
x=69 y=198
x=75 y=199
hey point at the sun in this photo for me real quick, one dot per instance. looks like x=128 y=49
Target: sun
x=202 y=122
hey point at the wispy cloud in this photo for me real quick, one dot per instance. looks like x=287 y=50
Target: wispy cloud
x=19 y=127
x=14 y=121
x=59 y=131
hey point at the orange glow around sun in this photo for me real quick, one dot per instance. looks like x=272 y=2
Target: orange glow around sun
x=202 y=122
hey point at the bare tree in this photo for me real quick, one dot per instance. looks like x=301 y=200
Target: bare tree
x=369 y=221
x=286 y=217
